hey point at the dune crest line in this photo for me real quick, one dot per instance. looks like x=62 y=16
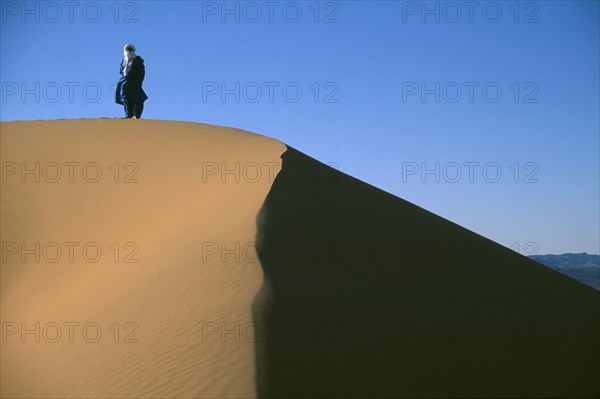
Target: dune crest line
x=131 y=274
x=382 y=298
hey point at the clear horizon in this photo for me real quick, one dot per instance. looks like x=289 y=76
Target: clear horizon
x=484 y=113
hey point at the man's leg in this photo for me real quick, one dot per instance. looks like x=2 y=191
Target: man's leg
x=129 y=107
x=139 y=108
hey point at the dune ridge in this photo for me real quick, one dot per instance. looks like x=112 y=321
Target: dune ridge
x=175 y=294
x=408 y=304
x=351 y=291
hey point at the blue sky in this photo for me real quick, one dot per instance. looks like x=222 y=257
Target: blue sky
x=505 y=91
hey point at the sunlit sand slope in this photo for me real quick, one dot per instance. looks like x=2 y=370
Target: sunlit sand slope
x=127 y=254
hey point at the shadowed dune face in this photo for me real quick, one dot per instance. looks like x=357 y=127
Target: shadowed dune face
x=171 y=292
x=367 y=295
x=363 y=295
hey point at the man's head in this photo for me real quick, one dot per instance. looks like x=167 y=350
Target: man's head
x=129 y=47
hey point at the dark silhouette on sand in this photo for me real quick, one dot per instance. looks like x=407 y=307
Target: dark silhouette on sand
x=129 y=90
x=389 y=300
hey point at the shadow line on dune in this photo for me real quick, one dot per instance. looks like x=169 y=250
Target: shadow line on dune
x=368 y=295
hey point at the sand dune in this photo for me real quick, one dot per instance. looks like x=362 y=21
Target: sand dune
x=394 y=301
x=179 y=292
x=353 y=292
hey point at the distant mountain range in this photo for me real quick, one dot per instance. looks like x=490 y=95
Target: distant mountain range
x=582 y=267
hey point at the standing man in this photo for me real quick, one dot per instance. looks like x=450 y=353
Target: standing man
x=129 y=90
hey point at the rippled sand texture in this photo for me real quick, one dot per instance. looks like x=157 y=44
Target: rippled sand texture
x=174 y=220
x=367 y=295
